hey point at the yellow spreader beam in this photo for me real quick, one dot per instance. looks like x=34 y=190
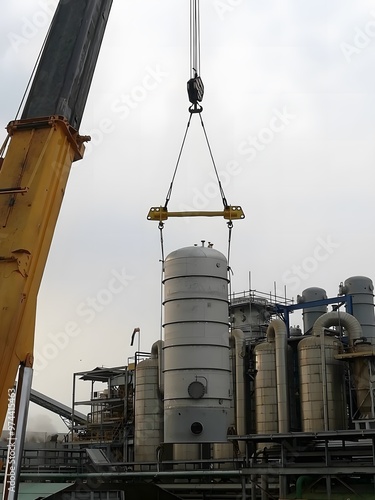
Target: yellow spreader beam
x=229 y=213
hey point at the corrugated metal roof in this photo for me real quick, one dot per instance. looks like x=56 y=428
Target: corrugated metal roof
x=32 y=491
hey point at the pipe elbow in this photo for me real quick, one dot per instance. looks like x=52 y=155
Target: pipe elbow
x=157 y=353
x=336 y=318
x=275 y=329
x=239 y=341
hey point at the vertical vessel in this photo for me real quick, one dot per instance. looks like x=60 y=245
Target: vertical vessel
x=196 y=346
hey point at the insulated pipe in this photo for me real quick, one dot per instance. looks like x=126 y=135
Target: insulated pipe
x=354 y=329
x=301 y=482
x=157 y=353
x=239 y=342
x=336 y=318
x=276 y=332
x=359 y=369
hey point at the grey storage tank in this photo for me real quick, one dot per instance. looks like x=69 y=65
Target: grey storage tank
x=311 y=314
x=196 y=346
x=362 y=291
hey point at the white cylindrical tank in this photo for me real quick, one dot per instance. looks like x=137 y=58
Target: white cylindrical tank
x=311 y=314
x=322 y=384
x=196 y=346
x=226 y=451
x=148 y=432
x=362 y=291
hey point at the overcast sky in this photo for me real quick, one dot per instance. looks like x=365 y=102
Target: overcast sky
x=289 y=109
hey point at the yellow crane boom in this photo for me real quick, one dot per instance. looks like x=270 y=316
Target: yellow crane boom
x=33 y=177
x=39 y=151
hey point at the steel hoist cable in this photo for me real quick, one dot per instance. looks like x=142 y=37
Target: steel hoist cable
x=34 y=68
x=28 y=85
x=224 y=200
x=195 y=89
x=177 y=164
x=162 y=260
x=195 y=54
x=195 y=85
x=229 y=269
x=169 y=193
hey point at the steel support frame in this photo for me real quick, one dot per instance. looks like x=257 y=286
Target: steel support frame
x=284 y=310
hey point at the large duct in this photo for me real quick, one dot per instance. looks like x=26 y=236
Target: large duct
x=359 y=365
x=265 y=388
x=339 y=318
x=361 y=356
x=157 y=353
x=362 y=291
x=277 y=331
x=239 y=343
x=271 y=382
x=196 y=346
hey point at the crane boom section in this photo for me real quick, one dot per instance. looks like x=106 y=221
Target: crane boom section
x=35 y=170
x=33 y=177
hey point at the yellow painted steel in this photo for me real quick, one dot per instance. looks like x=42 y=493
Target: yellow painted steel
x=229 y=213
x=33 y=177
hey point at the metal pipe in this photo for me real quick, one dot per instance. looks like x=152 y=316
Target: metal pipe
x=17 y=431
x=324 y=380
x=239 y=339
x=134 y=474
x=354 y=329
x=336 y=318
x=157 y=353
x=73 y=405
x=300 y=483
x=276 y=331
x=263 y=469
x=264 y=482
x=125 y=445
x=243 y=485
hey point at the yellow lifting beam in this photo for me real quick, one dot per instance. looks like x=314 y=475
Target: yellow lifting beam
x=230 y=213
